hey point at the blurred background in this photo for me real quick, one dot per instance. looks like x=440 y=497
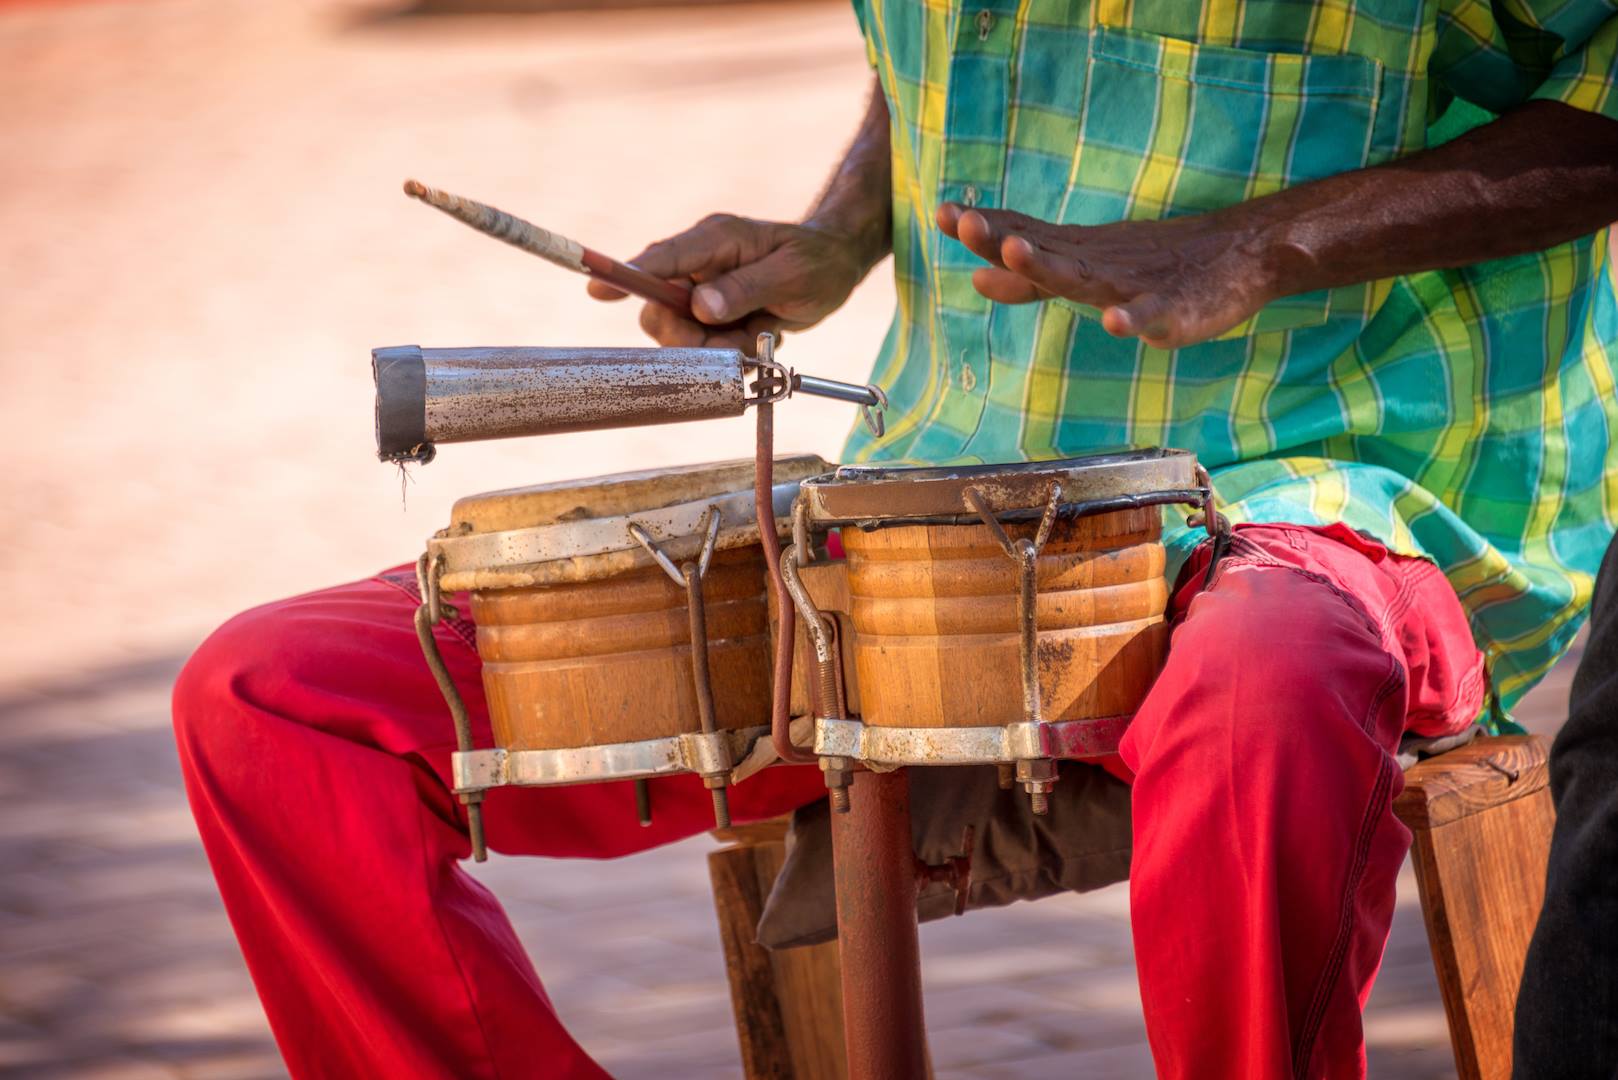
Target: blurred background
x=201 y=238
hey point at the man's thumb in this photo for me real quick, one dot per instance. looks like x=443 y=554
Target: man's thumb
x=734 y=296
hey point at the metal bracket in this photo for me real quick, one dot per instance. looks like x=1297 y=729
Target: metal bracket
x=777 y=382
x=1037 y=773
x=689 y=576
x=706 y=753
x=433 y=609
x=1054 y=740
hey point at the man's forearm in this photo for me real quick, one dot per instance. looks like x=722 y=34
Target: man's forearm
x=858 y=200
x=1541 y=175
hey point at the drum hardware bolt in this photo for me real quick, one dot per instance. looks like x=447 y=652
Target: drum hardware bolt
x=689 y=575
x=1037 y=776
x=839 y=773
x=715 y=783
x=955 y=870
x=1007 y=776
x=643 y=803
x=777 y=382
x=432 y=609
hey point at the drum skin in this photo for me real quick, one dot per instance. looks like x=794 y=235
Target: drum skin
x=934 y=612
x=609 y=661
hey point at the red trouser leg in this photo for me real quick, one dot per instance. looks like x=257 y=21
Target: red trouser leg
x=1262 y=883
x=316 y=751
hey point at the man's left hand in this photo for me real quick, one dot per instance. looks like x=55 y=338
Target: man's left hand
x=1170 y=283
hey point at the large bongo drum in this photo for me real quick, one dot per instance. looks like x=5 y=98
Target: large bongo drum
x=621 y=621
x=1006 y=614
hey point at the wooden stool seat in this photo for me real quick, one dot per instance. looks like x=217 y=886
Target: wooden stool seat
x=1481 y=816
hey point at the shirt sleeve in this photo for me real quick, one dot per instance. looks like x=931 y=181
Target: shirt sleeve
x=1501 y=53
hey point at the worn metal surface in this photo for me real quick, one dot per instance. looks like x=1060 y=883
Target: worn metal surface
x=876 y=882
x=706 y=753
x=872 y=496
x=1075 y=740
x=497 y=393
x=678 y=529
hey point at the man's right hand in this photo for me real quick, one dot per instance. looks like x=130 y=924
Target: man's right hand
x=750 y=276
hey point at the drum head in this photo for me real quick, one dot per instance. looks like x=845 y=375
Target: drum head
x=577 y=530
x=875 y=496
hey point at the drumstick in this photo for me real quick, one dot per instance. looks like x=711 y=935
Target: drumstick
x=554 y=248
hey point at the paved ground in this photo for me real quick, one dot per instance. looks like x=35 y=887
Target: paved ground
x=202 y=241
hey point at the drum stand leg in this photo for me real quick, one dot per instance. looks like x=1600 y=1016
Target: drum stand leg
x=875 y=866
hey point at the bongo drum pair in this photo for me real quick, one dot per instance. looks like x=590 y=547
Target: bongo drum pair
x=1009 y=615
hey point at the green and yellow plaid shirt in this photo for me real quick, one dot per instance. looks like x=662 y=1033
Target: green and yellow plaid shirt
x=1463 y=415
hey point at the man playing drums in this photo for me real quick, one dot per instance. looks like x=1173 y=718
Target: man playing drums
x=1227 y=226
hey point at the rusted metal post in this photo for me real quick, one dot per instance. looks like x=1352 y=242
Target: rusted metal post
x=875 y=865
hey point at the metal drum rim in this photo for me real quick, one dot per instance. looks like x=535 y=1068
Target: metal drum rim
x=873 y=497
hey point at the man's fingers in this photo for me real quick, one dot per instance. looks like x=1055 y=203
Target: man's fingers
x=979 y=236
x=1010 y=222
x=1005 y=287
x=717 y=243
x=947 y=216
x=600 y=290
x=1148 y=317
x=1071 y=276
x=666 y=328
x=776 y=279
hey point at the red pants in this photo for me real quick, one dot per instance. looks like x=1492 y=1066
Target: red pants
x=316 y=753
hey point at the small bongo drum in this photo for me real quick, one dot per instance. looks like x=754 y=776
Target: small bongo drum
x=620 y=621
x=1006 y=614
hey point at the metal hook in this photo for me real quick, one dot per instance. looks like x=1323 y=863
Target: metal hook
x=800 y=532
x=710 y=525
x=875 y=420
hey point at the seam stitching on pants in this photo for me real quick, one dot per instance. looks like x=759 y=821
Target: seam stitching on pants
x=449 y=947
x=1362 y=854
x=1322 y=580
x=458 y=626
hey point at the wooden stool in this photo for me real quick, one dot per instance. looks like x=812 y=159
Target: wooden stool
x=788 y=1004
x=1481 y=815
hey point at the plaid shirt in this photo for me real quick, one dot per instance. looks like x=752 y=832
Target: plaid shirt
x=1463 y=415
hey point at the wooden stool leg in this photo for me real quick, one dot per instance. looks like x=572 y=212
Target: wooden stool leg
x=1482 y=818
x=788 y=1004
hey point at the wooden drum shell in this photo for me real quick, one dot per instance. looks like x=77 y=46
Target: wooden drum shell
x=609 y=661
x=936 y=636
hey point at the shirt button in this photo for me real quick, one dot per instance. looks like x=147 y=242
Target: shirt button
x=970 y=195
x=969 y=378
x=985 y=21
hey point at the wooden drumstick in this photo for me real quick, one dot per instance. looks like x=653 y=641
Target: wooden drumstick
x=554 y=248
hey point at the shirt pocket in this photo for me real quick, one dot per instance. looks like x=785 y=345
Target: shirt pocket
x=1170 y=127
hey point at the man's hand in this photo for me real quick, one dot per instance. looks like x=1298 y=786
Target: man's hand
x=750 y=276
x=753 y=276
x=1171 y=283
x=1542 y=174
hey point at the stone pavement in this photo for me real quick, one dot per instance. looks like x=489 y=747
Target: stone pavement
x=117 y=963
x=203 y=239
